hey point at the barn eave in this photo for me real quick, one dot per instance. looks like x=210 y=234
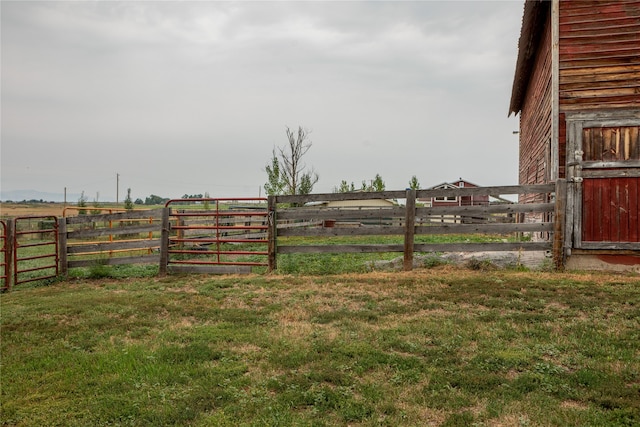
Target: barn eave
x=533 y=19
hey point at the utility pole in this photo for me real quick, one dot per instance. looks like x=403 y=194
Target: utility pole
x=117 y=187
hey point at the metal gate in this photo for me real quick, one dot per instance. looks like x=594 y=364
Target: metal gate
x=35 y=249
x=217 y=234
x=5 y=255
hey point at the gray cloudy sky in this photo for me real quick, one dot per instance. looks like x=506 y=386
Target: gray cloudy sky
x=191 y=97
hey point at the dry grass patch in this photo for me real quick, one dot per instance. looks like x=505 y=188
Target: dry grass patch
x=186 y=289
x=511 y=420
x=572 y=404
x=183 y=323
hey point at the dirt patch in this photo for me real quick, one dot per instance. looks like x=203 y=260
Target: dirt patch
x=13 y=210
x=474 y=260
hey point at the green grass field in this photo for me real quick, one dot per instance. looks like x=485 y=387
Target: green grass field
x=445 y=347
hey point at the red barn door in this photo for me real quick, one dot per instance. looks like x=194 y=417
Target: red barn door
x=606 y=174
x=610 y=210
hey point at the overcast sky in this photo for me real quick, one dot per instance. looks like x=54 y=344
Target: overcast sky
x=192 y=97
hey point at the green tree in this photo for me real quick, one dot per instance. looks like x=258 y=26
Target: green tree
x=378 y=184
x=128 y=202
x=275 y=181
x=82 y=203
x=342 y=188
x=306 y=184
x=413 y=183
x=96 y=205
x=155 y=200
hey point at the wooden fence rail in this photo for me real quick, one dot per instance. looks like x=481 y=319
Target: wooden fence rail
x=411 y=220
x=87 y=240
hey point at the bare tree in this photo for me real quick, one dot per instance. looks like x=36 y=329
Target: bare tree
x=292 y=169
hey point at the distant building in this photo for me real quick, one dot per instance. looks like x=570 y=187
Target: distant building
x=447 y=200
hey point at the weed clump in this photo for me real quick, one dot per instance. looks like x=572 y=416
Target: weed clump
x=481 y=265
x=99 y=270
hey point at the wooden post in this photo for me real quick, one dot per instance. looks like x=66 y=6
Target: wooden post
x=62 y=246
x=568 y=227
x=164 y=242
x=272 y=233
x=409 y=229
x=559 y=220
x=555 y=91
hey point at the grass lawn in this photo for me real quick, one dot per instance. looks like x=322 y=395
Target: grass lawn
x=445 y=346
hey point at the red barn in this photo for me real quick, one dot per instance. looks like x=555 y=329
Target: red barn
x=577 y=92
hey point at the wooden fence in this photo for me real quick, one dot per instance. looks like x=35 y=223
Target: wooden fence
x=147 y=237
x=411 y=220
x=110 y=239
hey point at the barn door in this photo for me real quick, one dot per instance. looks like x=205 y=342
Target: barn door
x=605 y=172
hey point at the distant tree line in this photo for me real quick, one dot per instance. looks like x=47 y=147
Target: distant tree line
x=24 y=201
x=376 y=184
x=152 y=200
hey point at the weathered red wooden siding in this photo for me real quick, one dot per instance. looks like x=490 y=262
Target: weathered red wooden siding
x=562 y=146
x=599 y=54
x=611 y=210
x=535 y=119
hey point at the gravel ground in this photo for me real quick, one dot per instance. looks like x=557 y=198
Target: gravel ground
x=535 y=260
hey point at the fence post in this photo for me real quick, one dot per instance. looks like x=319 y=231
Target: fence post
x=164 y=242
x=559 y=219
x=62 y=246
x=272 y=233
x=409 y=229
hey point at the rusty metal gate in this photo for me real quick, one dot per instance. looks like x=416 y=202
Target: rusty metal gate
x=5 y=255
x=217 y=234
x=35 y=249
